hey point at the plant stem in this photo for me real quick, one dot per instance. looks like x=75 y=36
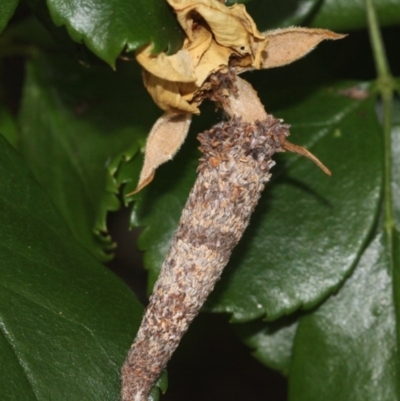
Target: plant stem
x=385 y=87
x=380 y=58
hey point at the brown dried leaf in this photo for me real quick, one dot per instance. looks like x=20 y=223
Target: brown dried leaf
x=164 y=140
x=290 y=44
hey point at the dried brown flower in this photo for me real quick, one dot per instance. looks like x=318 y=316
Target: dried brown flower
x=217 y=37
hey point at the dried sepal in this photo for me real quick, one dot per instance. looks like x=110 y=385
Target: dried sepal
x=245 y=103
x=288 y=45
x=164 y=140
x=291 y=147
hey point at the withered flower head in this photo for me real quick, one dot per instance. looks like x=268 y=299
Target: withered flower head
x=217 y=37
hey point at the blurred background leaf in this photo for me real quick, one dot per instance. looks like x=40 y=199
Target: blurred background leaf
x=7 y=8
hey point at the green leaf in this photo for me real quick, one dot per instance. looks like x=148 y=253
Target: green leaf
x=396 y=279
x=8 y=126
x=286 y=260
x=279 y=14
x=342 y=15
x=160 y=387
x=338 y=15
x=271 y=342
x=395 y=203
x=66 y=322
x=7 y=8
x=58 y=35
x=395 y=161
x=349 y=343
x=109 y=27
x=77 y=126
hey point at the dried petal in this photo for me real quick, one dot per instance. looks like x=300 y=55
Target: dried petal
x=177 y=68
x=164 y=140
x=290 y=44
x=216 y=57
x=167 y=94
x=198 y=47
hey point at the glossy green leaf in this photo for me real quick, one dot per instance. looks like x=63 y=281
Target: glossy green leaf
x=395 y=161
x=395 y=243
x=349 y=343
x=395 y=202
x=7 y=8
x=66 y=322
x=347 y=349
x=58 y=35
x=344 y=15
x=271 y=342
x=77 y=125
x=109 y=27
x=286 y=260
